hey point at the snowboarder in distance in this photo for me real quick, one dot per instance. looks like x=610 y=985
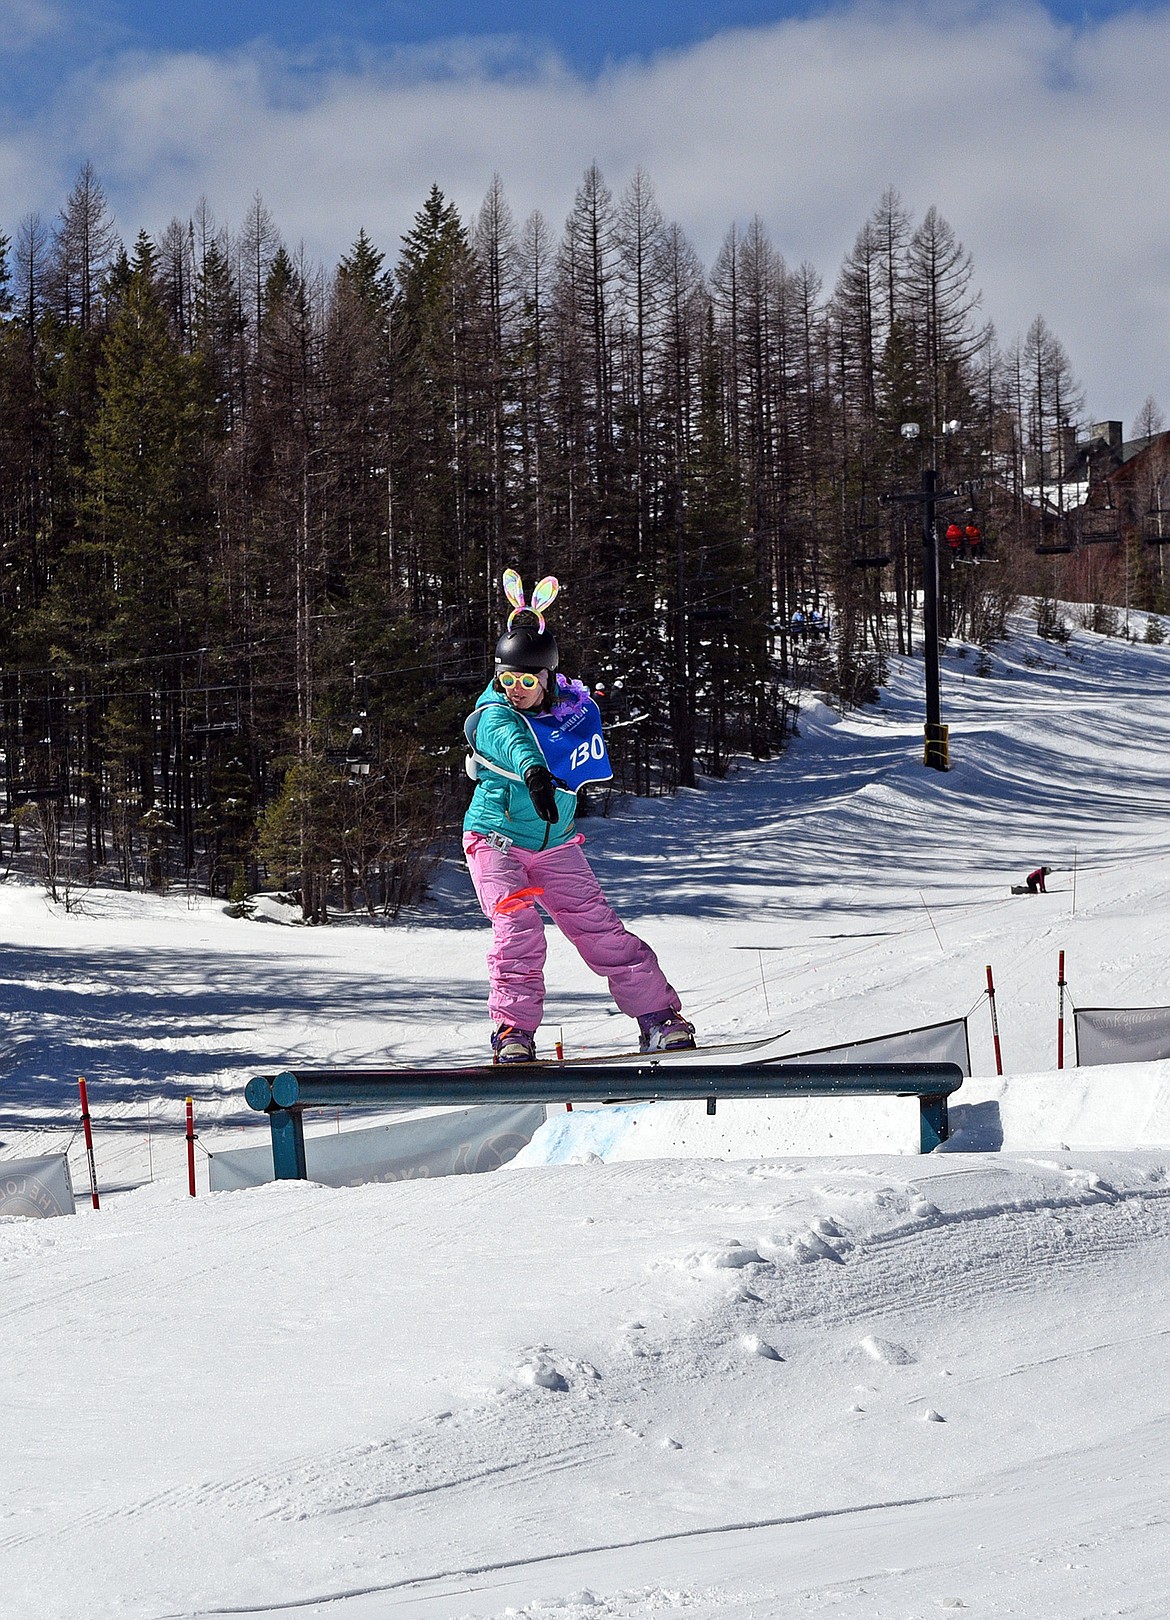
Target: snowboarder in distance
x=1033 y=883
x=535 y=739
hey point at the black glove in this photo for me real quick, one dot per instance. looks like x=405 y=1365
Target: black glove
x=538 y=780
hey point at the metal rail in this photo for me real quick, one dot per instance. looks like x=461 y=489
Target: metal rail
x=285 y=1096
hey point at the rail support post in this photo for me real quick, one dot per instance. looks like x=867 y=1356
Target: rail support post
x=934 y=1125
x=286 y=1118
x=288 y=1145
x=278 y=1098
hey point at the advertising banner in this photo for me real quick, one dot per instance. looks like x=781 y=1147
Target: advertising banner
x=36 y=1187
x=1121 y=1034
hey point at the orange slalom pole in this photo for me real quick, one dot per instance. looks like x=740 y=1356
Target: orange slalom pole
x=191 y=1147
x=994 y=1022
x=1060 y=982
x=560 y=1051
x=93 y=1192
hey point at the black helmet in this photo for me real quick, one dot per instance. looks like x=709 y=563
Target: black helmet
x=527 y=645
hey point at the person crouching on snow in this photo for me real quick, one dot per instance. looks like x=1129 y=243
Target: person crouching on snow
x=535 y=739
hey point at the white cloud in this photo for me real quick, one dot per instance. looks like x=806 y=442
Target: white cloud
x=1046 y=148
x=25 y=23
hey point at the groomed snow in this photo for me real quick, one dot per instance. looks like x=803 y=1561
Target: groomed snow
x=715 y=1374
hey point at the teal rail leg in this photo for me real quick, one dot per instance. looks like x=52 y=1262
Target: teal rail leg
x=288 y=1144
x=934 y=1123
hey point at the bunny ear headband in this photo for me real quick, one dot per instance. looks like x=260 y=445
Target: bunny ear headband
x=542 y=596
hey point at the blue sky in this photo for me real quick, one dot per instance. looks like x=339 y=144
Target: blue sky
x=1040 y=131
x=588 y=34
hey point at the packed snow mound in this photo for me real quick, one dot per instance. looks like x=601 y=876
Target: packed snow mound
x=1113 y=1106
x=1122 y=1105
x=737 y=1130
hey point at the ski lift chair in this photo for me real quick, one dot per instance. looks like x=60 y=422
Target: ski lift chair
x=221 y=713
x=965 y=542
x=868 y=552
x=358 y=755
x=1100 y=526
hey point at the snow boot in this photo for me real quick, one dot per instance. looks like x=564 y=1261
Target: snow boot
x=512 y=1045
x=666 y=1031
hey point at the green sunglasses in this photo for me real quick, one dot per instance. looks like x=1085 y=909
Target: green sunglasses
x=508 y=679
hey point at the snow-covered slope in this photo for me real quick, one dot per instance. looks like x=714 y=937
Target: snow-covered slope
x=868 y=1387
x=859 y=1385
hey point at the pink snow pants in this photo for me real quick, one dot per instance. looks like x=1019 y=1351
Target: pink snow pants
x=573 y=899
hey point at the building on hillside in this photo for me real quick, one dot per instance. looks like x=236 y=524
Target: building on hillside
x=1097 y=487
x=1076 y=460
x=1139 y=489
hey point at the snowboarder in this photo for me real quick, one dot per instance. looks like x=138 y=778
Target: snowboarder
x=535 y=739
x=1033 y=883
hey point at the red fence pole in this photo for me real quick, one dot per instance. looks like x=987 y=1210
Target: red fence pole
x=93 y=1192
x=994 y=1022
x=1060 y=1014
x=190 y=1147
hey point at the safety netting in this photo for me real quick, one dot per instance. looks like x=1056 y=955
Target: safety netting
x=451 y=1142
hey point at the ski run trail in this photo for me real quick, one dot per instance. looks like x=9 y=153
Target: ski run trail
x=771 y=1365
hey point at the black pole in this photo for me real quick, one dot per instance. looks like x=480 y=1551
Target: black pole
x=936 y=751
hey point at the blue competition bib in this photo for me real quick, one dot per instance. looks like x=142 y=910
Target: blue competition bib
x=573 y=746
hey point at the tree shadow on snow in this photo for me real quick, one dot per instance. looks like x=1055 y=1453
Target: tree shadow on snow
x=171 y=1023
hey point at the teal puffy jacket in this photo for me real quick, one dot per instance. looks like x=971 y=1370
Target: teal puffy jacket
x=502 y=804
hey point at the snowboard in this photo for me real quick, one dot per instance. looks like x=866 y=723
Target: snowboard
x=698 y=1052
x=650 y=1060
x=551 y=1061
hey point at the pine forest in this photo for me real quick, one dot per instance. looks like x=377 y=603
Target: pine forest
x=254 y=513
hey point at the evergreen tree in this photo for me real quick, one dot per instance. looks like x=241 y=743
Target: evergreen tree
x=1050 y=405
x=491 y=512
x=145 y=503
x=361 y=273
x=942 y=307
x=85 y=245
x=433 y=408
x=536 y=435
x=639 y=233
x=30 y=259
x=5 y=278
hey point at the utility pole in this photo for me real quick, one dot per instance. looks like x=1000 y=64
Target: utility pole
x=936 y=753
